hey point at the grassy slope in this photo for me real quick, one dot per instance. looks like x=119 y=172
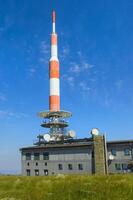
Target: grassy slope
x=115 y=187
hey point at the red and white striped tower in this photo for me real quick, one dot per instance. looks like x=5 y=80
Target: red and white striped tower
x=54 y=98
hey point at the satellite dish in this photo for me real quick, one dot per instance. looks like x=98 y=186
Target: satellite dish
x=52 y=138
x=71 y=134
x=46 y=137
x=111 y=157
x=95 y=131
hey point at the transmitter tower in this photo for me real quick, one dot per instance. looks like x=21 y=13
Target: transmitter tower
x=54 y=119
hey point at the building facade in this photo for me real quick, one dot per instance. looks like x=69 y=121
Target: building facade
x=80 y=156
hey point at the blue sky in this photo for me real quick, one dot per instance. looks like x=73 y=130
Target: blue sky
x=95 y=52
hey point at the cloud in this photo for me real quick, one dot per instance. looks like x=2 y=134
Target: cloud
x=84 y=87
x=81 y=67
x=69 y=80
x=44 y=52
x=8 y=114
x=32 y=71
x=119 y=84
x=64 y=52
x=75 y=68
x=3 y=97
x=44 y=47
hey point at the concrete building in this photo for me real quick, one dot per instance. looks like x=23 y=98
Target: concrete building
x=77 y=156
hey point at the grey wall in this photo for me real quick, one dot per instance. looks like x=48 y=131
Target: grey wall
x=58 y=156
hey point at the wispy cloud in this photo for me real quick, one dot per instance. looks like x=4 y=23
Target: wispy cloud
x=84 y=87
x=3 y=97
x=44 y=47
x=64 y=52
x=32 y=71
x=69 y=80
x=44 y=52
x=119 y=84
x=82 y=66
x=9 y=114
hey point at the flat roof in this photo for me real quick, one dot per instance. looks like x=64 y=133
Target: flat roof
x=76 y=143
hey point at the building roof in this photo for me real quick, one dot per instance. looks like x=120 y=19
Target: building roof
x=74 y=143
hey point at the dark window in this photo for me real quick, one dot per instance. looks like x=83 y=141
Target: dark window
x=80 y=166
x=28 y=164
x=113 y=152
x=45 y=172
x=28 y=156
x=60 y=167
x=36 y=156
x=28 y=172
x=118 y=166
x=36 y=163
x=46 y=156
x=36 y=172
x=45 y=163
x=124 y=166
x=126 y=152
x=70 y=167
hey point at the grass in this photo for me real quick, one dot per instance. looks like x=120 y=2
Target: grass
x=75 y=187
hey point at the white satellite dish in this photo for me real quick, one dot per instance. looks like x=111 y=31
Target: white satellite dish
x=95 y=131
x=111 y=157
x=71 y=133
x=46 y=137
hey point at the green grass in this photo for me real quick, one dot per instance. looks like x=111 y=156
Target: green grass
x=112 y=187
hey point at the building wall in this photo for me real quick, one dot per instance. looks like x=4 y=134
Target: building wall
x=120 y=161
x=76 y=155
x=73 y=156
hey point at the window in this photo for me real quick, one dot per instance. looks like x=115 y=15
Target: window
x=80 y=166
x=45 y=172
x=36 y=172
x=45 y=163
x=36 y=163
x=60 y=166
x=28 y=156
x=113 y=152
x=118 y=166
x=36 y=156
x=45 y=156
x=28 y=172
x=28 y=164
x=70 y=167
x=124 y=166
x=127 y=152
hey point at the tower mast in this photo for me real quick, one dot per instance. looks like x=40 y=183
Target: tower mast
x=54 y=98
x=54 y=117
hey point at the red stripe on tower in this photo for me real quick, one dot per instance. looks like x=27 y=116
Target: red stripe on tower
x=54 y=99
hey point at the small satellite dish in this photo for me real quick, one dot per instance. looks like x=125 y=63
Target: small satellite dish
x=52 y=138
x=46 y=137
x=71 y=134
x=95 y=131
x=111 y=157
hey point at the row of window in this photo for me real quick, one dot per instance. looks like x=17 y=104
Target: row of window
x=70 y=166
x=126 y=152
x=37 y=156
x=60 y=167
x=28 y=171
x=28 y=164
x=121 y=166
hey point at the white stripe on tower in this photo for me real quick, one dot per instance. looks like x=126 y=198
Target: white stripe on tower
x=54 y=98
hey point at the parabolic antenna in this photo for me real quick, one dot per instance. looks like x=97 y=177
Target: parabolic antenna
x=46 y=137
x=111 y=157
x=95 y=131
x=71 y=133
